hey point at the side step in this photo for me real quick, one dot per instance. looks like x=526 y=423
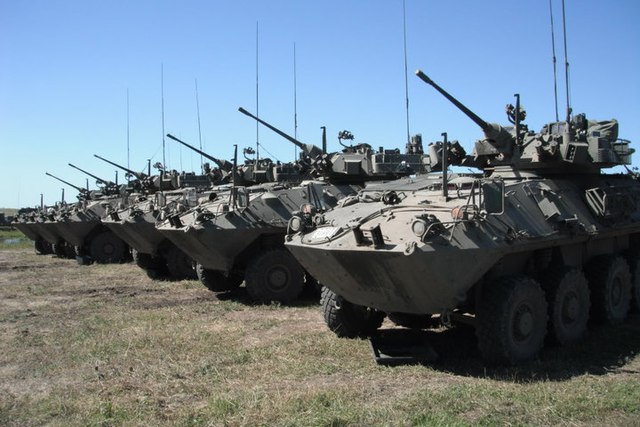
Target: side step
x=392 y=347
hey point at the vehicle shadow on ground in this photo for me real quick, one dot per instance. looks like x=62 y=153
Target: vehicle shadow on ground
x=309 y=297
x=604 y=350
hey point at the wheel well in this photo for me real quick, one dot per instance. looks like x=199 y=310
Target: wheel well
x=537 y=262
x=263 y=242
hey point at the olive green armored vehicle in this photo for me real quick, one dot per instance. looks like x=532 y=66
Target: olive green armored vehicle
x=80 y=227
x=239 y=235
x=168 y=192
x=540 y=244
x=47 y=222
x=26 y=221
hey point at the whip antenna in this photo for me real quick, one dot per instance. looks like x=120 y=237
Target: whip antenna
x=199 y=129
x=406 y=79
x=566 y=63
x=295 y=103
x=555 y=73
x=164 y=160
x=128 y=155
x=257 y=101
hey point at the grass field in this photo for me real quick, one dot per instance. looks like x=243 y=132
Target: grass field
x=14 y=239
x=104 y=345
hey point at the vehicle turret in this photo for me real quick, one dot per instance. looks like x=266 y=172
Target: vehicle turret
x=578 y=145
x=83 y=191
x=356 y=163
x=150 y=183
x=309 y=149
x=139 y=175
x=224 y=165
x=110 y=187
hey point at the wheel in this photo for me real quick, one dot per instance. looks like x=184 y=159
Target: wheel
x=59 y=250
x=348 y=320
x=216 y=281
x=142 y=260
x=42 y=247
x=511 y=320
x=179 y=264
x=274 y=275
x=633 y=259
x=413 y=321
x=567 y=292
x=69 y=251
x=154 y=266
x=106 y=247
x=610 y=284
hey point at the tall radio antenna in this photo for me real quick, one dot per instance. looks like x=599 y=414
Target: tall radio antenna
x=406 y=79
x=295 y=103
x=257 y=99
x=128 y=152
x=553 y=50
x=566 y=63
x=164 y=160
x=199 y=130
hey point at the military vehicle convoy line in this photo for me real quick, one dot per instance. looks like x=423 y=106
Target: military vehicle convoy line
x=547 y=241
x=239 y=236
x=135 y=223
x=534 y=249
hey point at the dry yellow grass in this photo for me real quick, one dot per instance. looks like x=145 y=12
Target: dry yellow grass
x=104 y=345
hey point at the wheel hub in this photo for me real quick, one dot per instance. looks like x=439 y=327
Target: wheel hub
x=570 y=308
x=277 y=278
x=108 y=249
x=616 y=291
x=523 y=323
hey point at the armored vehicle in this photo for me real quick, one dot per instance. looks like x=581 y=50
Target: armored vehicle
x=532 y=250
x=80 y=226
x=136 y=223
x=46 y=223
x=26 y=222
x=239 y=235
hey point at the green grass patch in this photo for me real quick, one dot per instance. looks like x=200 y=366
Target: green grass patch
x=12 y=239
x=104 y=345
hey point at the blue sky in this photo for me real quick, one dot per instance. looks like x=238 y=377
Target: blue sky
x=66 y=67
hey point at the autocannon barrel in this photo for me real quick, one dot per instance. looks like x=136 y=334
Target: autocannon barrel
x=222 y=164
x=80 y=189
x=310 y=149
x=134 y=173
x=98 y=179
x=473 y=116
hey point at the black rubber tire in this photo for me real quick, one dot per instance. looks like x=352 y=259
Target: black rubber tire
x=154 y=266
x=274 y=275
x=633 y=258
x=106 y=247
x=216 y=281
x=41 y=247
x=568 y=302
x=348 y=320
x=413 y=321
x=142 y=260
x=70 y=251
x=511 y=320
x=179 y=264
x=610 y=285
x=59 y=249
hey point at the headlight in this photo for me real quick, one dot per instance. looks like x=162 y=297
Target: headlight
x=419 y=227
x=296 y=224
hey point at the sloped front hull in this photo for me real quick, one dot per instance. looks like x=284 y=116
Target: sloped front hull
x=139 y=234
x=215 y=249
x=423 y=282
x=75 y=232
